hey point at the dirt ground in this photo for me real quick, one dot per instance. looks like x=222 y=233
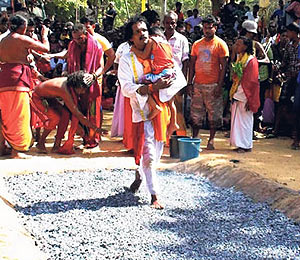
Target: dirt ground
x=271 y=158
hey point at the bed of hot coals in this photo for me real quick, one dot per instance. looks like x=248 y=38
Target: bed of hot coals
x=92 y=215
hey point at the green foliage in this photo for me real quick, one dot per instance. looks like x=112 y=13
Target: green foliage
x=66 y=8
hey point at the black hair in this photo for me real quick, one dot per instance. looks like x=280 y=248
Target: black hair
x=4 y=20
x=294 y=27
x=128 y=27
x=16 y=22
x=256 y=6
x=210 y=19
x=156 y=30
x=79 y=27
x=178 y=4
x=75 y=80
x=249 y=44
x=85 y=19
x=180 y=24
x=31 y=22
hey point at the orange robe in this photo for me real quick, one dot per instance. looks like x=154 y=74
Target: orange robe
x=15 y=106
x=160 y=123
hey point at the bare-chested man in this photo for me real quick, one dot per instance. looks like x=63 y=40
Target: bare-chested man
x=15 y=74
x=66 y=88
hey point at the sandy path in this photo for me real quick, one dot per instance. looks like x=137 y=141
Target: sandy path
x=271 y=158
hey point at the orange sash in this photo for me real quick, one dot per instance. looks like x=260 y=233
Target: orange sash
x=160 y=122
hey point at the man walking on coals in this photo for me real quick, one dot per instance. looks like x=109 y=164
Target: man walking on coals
x=148 y=135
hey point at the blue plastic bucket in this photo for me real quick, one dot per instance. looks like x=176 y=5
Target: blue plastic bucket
x=189 y=148
x=174 y=146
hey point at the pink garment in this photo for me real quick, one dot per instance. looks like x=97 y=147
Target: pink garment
x=93 y=58
x=117 y=126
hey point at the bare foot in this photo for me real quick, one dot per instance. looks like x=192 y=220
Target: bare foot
x=55 y=149
x=5 y=151
x=210 y=145
x=242 y=150
x=155 y=203
x=41 y=148
x=19 y=155
x=137 y=182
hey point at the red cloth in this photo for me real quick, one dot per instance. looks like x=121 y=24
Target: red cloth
x=250 y=84
x=50 y=115
x=37 y=119
x=138 y=141
x=68 y=148
x=161 y=57
x=93 y=58
x=15 y=74
x=127 y=135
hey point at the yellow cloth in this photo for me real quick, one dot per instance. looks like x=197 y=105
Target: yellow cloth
x=240 y=62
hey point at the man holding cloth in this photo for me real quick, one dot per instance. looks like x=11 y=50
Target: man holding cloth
x=84 y=53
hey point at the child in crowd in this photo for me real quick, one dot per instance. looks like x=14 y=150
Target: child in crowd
x=159 y=52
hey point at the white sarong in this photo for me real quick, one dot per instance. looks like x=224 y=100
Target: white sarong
x=241 y=132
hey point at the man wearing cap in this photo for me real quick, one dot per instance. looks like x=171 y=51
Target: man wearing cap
x=250 y=30
x=208 y=64
x=290 y=67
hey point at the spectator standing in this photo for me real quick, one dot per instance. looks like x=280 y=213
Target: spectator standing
x=193 y=20
x=290 y=66
x=253 y=16
x=180 y=50
x=119 y=117
x=110 y=16
x=106 y=46
x=228 y=12
x=207 y=68
x=244 y=94
x=151 y=16
x=279 y=14
x=178 y=11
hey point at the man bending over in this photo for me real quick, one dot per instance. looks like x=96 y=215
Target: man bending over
x=45 y=97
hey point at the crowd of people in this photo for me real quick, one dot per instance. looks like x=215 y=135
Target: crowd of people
x=232 y=71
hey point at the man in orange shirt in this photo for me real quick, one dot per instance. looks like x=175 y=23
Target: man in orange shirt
x=206 y=78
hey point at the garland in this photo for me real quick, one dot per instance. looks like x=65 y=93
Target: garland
x=238 y=70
